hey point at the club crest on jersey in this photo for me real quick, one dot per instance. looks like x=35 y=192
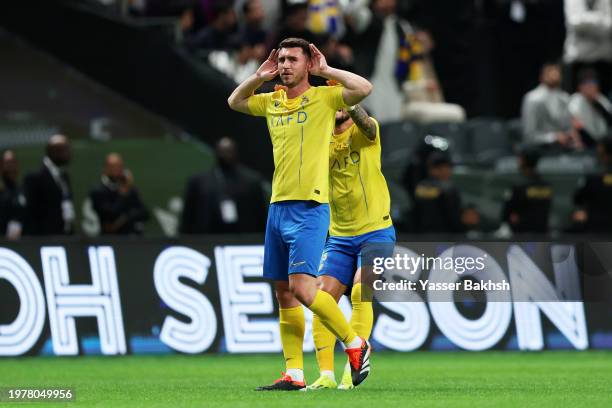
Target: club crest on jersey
x=304 y=101
x=339 y=146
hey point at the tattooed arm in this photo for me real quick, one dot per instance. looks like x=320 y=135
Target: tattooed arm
x=363 y=121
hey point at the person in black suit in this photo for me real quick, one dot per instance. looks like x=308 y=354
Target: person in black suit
x=50 y=207
x=12 y=200
x=527 y=205
x=228 y=198
x=116 y=200
x=593 y=199
x=437 y=202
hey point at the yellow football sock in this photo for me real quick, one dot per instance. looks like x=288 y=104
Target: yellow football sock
x=292 y=336
x=362 y=318
x=331 y=316
x=324 y=344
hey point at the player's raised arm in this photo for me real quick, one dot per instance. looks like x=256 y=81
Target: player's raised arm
x=238 y=100
x=363 y=121
x=356 y=88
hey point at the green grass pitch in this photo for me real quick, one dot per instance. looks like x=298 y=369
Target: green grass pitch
x=421 y=379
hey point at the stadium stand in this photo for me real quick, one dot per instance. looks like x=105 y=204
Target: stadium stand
x=163 y=90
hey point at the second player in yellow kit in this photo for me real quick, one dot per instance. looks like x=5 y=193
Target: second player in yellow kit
x=359 y=198
x=360 y=206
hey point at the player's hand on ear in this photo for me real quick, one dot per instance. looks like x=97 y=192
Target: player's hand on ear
x=269 y=69
x=318 y=63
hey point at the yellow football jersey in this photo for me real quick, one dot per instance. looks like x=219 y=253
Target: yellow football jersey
x=359 y=197
x=300 y=130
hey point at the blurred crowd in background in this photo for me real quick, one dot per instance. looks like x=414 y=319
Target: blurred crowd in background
x=419 y=54
x=548 y=62
x=393 y=44
x=229 y=198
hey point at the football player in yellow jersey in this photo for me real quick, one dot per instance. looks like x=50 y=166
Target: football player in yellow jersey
x=300 y=120
x=360 y=223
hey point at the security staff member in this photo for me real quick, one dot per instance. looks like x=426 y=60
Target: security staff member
x=593 y=199
x=229 y=198
x=116 y=200
x=437 y=203
x=527 y=204
x=48 y=192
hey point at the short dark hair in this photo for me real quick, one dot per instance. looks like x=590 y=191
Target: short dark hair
x=296 y=43
x=437 y=159
x=220 y=7
x=292 y=7
x=531 y=156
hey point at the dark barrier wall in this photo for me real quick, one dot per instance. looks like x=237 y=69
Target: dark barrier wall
x=69 y=297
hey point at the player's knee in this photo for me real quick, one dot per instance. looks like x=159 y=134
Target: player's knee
x=331 y=286
x=333 y=291
x=303 y=294
x=284 y=296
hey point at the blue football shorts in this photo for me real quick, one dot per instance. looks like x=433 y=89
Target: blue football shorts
x=295 y=237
